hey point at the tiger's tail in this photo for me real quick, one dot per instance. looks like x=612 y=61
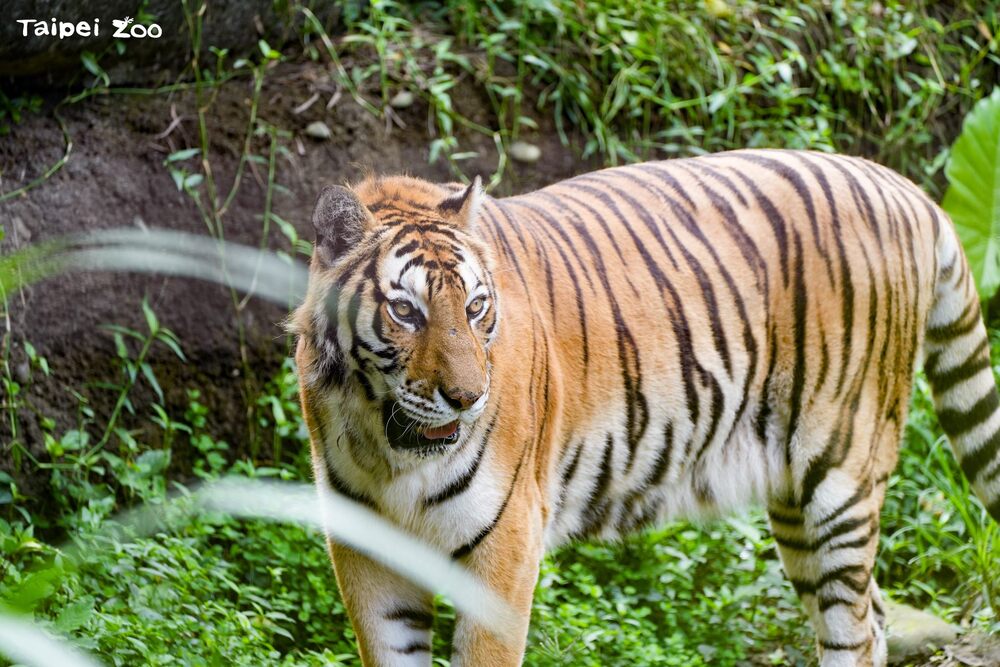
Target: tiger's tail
x=957 y=363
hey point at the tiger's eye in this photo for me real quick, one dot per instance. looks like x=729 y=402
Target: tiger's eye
x=476 y=305
x=402 y=309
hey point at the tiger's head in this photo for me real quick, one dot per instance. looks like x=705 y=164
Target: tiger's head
x=402 y=307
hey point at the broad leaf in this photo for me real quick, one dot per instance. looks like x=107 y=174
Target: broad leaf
x=973 y=197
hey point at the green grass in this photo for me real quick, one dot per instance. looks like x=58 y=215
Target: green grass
x=653 y=79
x=212 y=590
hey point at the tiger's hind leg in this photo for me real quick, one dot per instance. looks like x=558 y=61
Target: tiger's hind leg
x=827 y=545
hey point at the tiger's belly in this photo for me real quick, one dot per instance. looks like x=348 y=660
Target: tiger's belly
x=603 y=490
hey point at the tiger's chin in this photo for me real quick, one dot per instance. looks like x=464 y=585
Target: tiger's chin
x=406 y=434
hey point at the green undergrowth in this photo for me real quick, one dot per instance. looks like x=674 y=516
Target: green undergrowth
x=212 y=590
x=637 y=79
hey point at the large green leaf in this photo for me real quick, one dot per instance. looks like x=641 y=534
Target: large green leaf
x=973 y=197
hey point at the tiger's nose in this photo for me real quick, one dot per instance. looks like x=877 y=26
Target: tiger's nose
x=460 y=399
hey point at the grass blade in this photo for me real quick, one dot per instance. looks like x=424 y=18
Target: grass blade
x=28 y=644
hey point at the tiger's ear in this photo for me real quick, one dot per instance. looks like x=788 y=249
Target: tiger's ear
x=463 y=207
x=339 y=220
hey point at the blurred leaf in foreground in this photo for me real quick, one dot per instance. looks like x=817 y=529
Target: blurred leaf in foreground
x=28 y=644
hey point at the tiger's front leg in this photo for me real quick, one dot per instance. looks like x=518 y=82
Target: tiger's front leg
x=506 y=560
x=392 y=618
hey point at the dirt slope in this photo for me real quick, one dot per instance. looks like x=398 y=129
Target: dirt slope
x=116 y=177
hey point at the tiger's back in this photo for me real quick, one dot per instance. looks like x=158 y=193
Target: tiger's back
x=719 y=320
x=677 y=339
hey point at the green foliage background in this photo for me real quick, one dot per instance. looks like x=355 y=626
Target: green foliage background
x=627 y=80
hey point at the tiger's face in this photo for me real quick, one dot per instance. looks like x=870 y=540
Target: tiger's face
x=437 y=310
x=410 y=308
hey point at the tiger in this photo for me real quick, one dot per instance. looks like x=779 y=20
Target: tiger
x=665 y=340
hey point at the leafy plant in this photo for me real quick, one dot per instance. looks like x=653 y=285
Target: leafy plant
x=973 y=196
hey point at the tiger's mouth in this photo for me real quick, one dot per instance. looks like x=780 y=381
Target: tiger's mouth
x=408 y=434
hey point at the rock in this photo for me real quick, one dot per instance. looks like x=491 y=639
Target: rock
x=911 y=632
x=318 y=130
x=22 y=235
x=401 y=100
x=522 y=151
x=22 y=372
x=974 y=649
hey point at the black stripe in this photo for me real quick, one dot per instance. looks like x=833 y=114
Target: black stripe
x=974 y=463
x=956 y=422
x=716 y=409
x=785 y=518
x=676 y=315
x=607 y=202
x=466 y=549
x=407 y=247
x=873 y=326
x=855 y=577
x=333 y=370
x=859 y=494
x=913 y=319
x=505 y=246
x=960 y=326
x=340 y=486
x=764 y=410
x=365 y=385
x=415 y=647
x=898 y=217
x=774 y=218
x=332 y=478
x=710 y=170
x=994 y=509
x=877 y=605
x=863 y=205
x=971 y=366
x=830 y=602
x=857 y=543
x=567 y=477
x=749 y=251
x=992 y=474
x=413 y=618
x=604 y=479
x=801 y=299
x=824 y=359
x=834 y=646
x=462 y=483
x=832 y=456
x=845 y=574
x=598 y=505
x=662 y=457
x=844 y=527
